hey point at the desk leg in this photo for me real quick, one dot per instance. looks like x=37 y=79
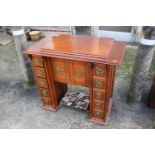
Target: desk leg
x=101 y=104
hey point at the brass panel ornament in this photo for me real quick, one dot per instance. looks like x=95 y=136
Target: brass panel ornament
x=60 y=70
x=99 y=83
x=99 y=95
x=97 y=114
x=44 y=92
x=99 y=70
x=39 y=73
x=42 y=83
x=98 y=105
x=79 y=73
x=37 y=61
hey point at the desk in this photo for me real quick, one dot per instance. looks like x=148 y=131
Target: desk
x=81 y=60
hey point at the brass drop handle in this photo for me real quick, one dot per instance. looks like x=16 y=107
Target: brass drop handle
x=39 y=72
x=99 y=83
x=97 y=114
x=44 y=93
x=60 y=70
x=42 y=83
x=46 y=101
x=97 y=105
x=37 y=60
x=99 y=95
x=99 y=70
x=79 y=73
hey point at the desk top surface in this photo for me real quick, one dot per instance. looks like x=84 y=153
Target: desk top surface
x=87 y=48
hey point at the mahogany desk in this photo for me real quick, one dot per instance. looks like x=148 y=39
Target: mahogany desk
x=81 y=60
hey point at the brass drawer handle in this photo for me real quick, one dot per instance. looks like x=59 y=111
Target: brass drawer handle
x=44 y=92
x=79 y=74
x=99 y=83
x=60 y=70
x=37 y=60
x=42 y=83
x=98 y=105
x=46 y=101
x=99 y=95
x=39 y=73
x=99 y=70
x=98 y=114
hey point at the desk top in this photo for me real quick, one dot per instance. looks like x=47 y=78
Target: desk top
x=76 y=47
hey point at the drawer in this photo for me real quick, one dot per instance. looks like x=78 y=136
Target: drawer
x=46 y=101
x=79 y=73
x=42 y=82
x=99 y=70
x=37 y=61
x=60 y=69
x=44 y=92
x=99 y=105
x=99 y=83
x=98 y=95
x=39 y=72
x=98 y=114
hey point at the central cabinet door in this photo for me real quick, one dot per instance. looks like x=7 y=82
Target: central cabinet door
x=70 y=71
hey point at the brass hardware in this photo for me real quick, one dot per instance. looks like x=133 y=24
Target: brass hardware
x=79 y=74
x=39 y=73
x=99 y=95
x=97 y=114
x=99 y=70
x=42 y=83
x=99 y=83
x=60 y=70
x=37 y=60
x=44 y=93
x=98 y=105
x=46 y=101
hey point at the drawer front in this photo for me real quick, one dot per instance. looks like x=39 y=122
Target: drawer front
x=98 y=114
x=99 y=105
x=99 y=70
x=46 y=101
x=40 y=72
x=42 y=83
x=78 y=72
x=99 y=83
x=44 y=92
x=99 y=95
x=60 y=69
x=37 y=61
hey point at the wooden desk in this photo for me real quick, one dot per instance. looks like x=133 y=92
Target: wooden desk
x=81 y=60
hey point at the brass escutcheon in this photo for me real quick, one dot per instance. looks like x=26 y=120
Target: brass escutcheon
x=46 y=101
x=99 y=83
x=39 y=72
x=97 y=114
x=98 y=105
x=37 y=60
x=42 y=83
x=99 y=70
x=44 y=93
x=79 y=74
x=60 y=70
x=99 y=95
